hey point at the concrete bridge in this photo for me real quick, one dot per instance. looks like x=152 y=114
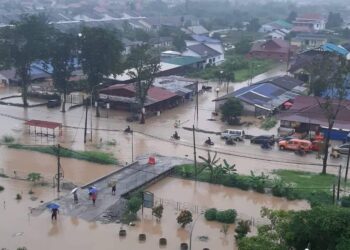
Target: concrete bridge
x=128 y=179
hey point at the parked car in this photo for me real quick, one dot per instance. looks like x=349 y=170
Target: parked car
x=295 y=144
x=342 y=149
x=261 y=139
x=53 y=103
x=237 y=135
x=286 y=138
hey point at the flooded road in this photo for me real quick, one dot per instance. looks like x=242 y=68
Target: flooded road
x=20 y=228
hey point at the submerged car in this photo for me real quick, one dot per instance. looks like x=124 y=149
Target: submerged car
x=261 y=139
x=342 y=149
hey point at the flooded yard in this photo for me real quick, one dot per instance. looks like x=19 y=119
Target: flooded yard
x=21 y=228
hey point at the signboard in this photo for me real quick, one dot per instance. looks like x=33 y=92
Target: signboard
x=148 y=199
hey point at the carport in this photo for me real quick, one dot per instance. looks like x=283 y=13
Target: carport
x=43 y=128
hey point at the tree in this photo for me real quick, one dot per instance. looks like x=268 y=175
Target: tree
x=238 y=25
x=63 y=52
x=242 y=229
x=231 y=110
x=179 y=41
x=23 y=43
x=134 y=204
x=334 y=20
x=157 y=211
x=184 y=218
x=243 y=46
x=210 y=164
x=143 y=69
x=100 y=56
x=254 y=25
x=328 y=78
x=292 y=16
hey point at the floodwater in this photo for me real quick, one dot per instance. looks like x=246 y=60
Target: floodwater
x=20 y=228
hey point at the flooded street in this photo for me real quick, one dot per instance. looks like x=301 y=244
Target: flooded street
x=32 y=231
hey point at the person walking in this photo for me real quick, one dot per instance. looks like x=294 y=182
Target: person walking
x=54 y=213
x=93 y=197
x=114 y=188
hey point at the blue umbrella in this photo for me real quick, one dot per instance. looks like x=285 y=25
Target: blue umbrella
x=53 y=206
x=93 y=190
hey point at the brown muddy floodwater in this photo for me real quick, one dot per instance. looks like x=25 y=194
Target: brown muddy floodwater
x=19 y=228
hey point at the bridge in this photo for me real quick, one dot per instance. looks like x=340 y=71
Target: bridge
x=137 y=175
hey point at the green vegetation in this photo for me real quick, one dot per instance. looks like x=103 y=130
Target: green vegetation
x=133 y=206
x=231 y=110
x=91 y=156
x=269 y=123
x=243 y=68
x=3 y=175
x=157 y=211
x=227 y=216
x=322 y=227
x=1 y=188
x=7 y=139
x=315 y=188
x=242 y=229
x=184 y=218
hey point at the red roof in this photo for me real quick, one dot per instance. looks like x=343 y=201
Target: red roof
x=310 y=16
x=43 y=124
x=273 y=45
x=155 y=93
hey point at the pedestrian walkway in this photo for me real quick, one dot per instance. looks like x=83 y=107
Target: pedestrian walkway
x=127 y=179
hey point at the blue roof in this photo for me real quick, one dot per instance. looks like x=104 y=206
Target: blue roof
x=47 y=67
x=205 y=39
x=330 y=47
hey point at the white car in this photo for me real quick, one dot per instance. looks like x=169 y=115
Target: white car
x=237 y=135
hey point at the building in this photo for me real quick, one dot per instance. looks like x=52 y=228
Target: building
x=159 y=42
x=306 y=116
x=274 y=49
x=267 y=96
x=308 y=40
x=196 y=30
x=275 y=25
x=277 y=34
x=187 y=62
x=310 y=21
x=123 y=96
x=183 y=87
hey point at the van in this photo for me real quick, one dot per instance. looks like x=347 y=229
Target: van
x=234 y=134
x=295 y=144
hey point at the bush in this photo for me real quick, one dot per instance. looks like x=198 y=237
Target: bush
x=158 y=211
x=269 y=123
x=129 y=217
x=242 y=229
x=210 y=214
x=7 y=139
x=1 y=188
x=226 y=216
x=184 y=218
x=134 y=204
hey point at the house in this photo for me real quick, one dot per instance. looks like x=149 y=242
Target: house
x=128 y=45
x=306 y=116
x=158 y=42
x=275 y=25
x=308 y=40
x=277 y=34
x=183 y=87
x=123 y=96
x=187 y=62
x=267 y=96
x=310 y=21
x=9 y=76
x=196 y=30
x=206 y=48
x=275 y=49
x=211 y=57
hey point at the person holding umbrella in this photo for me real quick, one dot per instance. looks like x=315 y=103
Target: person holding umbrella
x=54 y=210
x=75 y=195
x=93 y=194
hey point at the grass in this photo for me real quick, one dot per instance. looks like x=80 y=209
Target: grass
x=91 y=156
x=7 y=139
x=315 y=188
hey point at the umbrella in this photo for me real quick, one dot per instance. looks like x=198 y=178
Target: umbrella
x=53 y=206
x=288 y=104
x=92 y=190
x=74 y=190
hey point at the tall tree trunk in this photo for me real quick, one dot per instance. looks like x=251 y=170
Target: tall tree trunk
x=24 y=74
x=326 y=145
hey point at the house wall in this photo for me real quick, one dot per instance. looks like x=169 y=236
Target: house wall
x=269 y=55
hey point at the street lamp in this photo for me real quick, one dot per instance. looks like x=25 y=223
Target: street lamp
x=194 y=223
x=92 y=91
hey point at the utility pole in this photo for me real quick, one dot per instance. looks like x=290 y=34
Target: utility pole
x=339 y=178
x=333 y=194
x=58 y=168
x=197 y=103
x=132 y=146
x=86 y=118
x=347 y=167
x=194 y=153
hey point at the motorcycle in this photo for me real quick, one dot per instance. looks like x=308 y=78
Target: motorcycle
x=209 y=142
x=128 y=130
x=175 y=137
x=265 y=146
x=230 y=141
